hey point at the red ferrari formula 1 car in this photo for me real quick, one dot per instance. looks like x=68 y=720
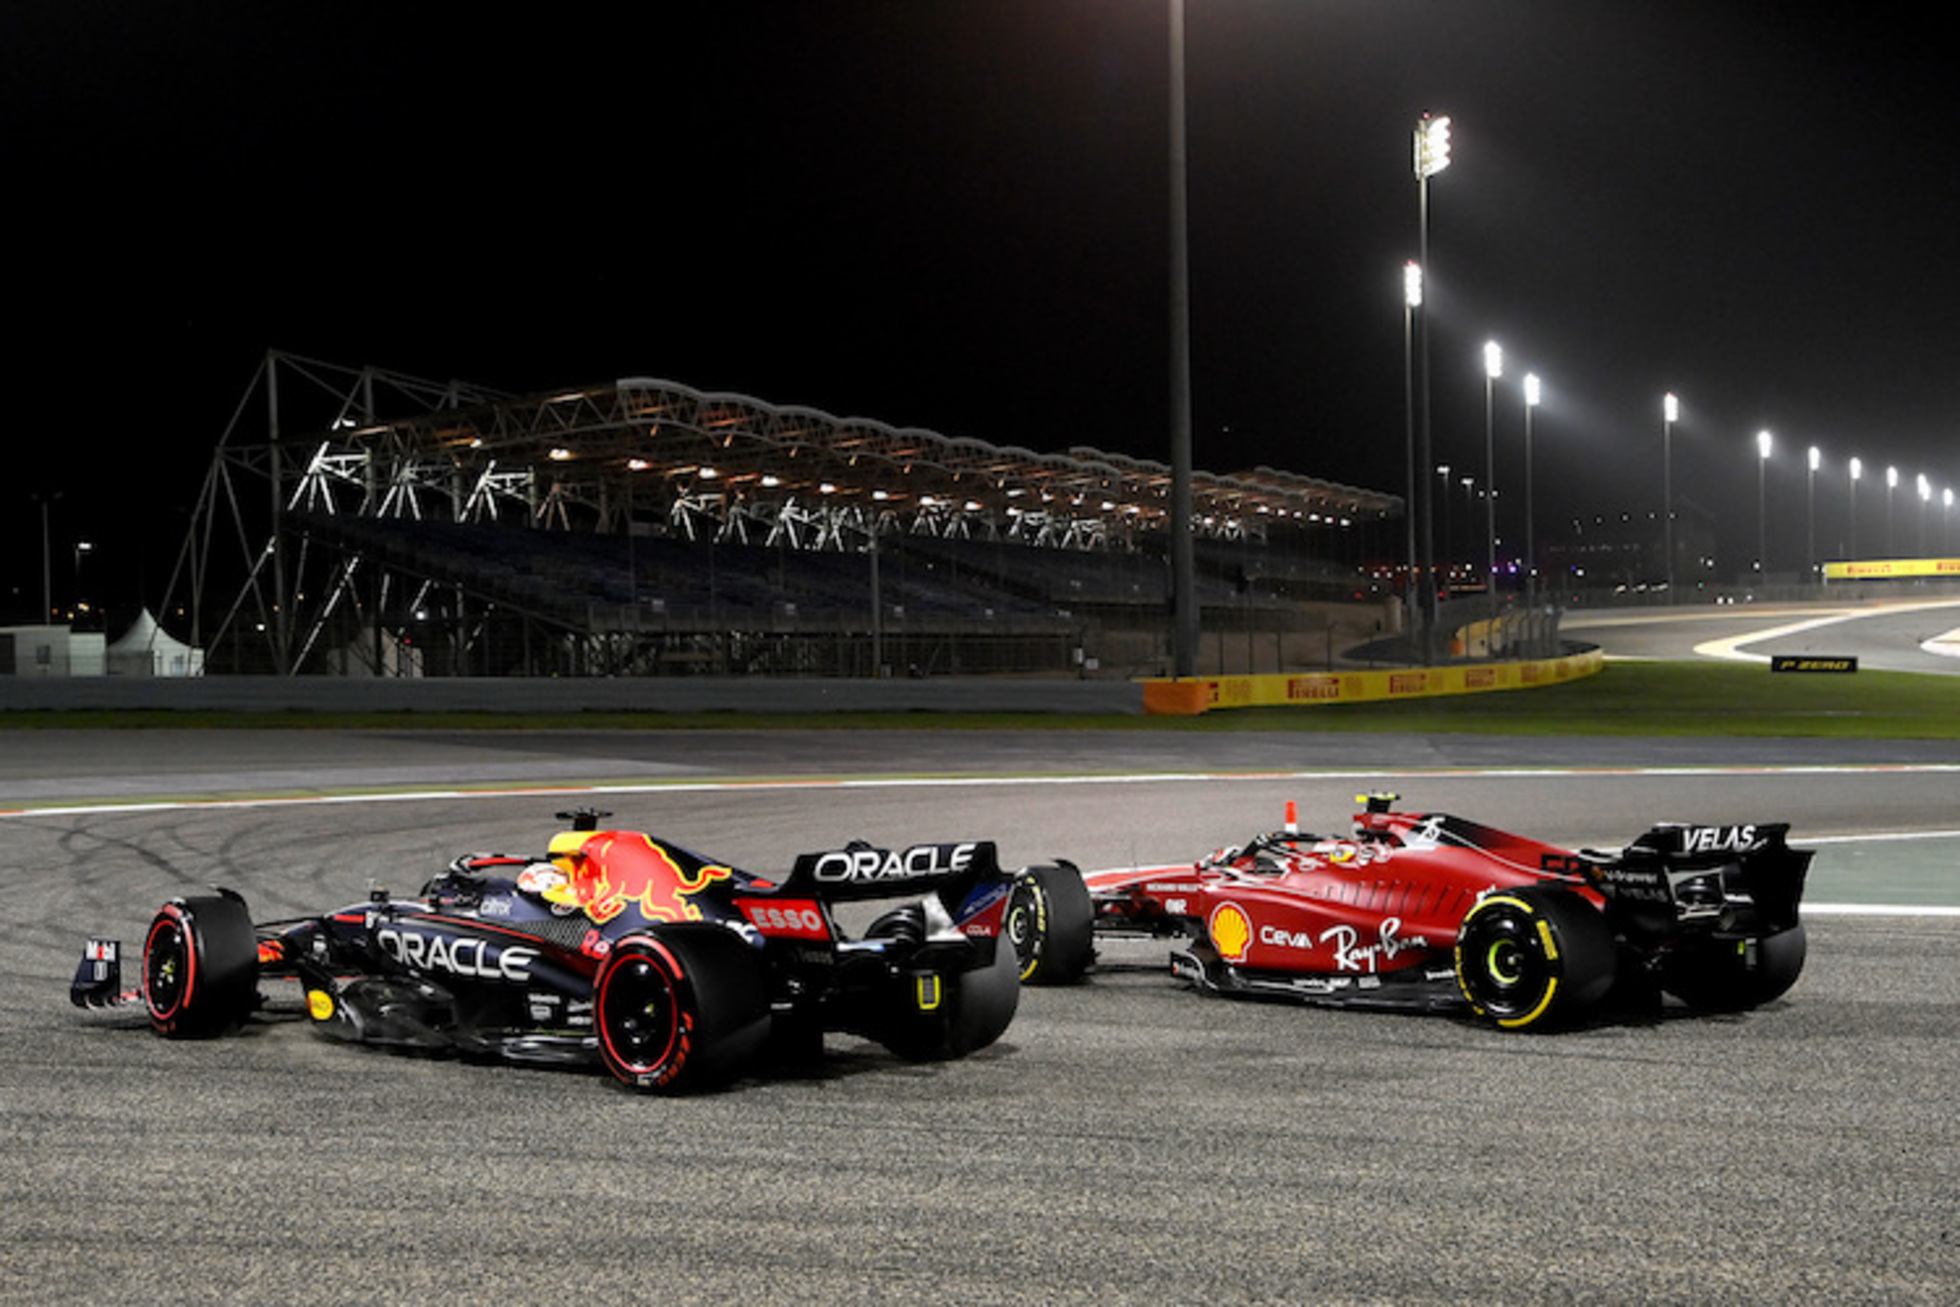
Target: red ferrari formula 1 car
x=672 y=970
x=1427 y=912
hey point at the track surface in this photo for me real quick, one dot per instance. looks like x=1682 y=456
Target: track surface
x=1127 y=1141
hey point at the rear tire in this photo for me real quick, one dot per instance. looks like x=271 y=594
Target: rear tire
x=1534 y=958
x=933 y=1016
x=200 y=967
x=680 y=1009
x=1050 y=922
x=1722 y=976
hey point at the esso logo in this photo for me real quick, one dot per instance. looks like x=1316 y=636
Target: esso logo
x=792 y=919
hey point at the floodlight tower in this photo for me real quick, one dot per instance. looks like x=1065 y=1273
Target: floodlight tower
x=1670 y=414
x=1810 y=511
x=1763 y=443
x=1184 y=599
x=1857 y=470
x=1493 y=369
x=1431 y=156
x=1411 y=303
x=1532 y=394
x=1891 y=484
x=1925 y=489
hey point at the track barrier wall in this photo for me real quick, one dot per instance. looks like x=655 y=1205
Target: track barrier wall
x=1190 y=696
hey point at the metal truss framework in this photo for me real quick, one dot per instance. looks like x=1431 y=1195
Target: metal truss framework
x=643 y=454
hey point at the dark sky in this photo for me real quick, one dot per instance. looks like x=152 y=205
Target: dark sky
x=953 y=215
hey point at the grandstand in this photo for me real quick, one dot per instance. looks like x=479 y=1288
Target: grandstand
x=361 y=522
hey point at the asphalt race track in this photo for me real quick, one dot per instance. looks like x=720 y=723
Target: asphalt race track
x=1127 y=1141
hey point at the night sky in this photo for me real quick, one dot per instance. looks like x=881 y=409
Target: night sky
x=953 y=215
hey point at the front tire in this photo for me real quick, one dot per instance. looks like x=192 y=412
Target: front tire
x=1534 y=958
x=200 y=967
x=1050 y=922
x=680 y=1010
x=1736 y=975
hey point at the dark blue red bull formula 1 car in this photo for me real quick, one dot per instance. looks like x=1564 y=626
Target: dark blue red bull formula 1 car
x=1428 y=912
x=673 y=971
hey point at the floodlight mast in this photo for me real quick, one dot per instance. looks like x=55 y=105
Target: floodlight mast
x=1670 y=414
x=1431 y=156
x=1764 y=442
x=1411 y=302
x=1815 y=461
x=1857 y=469
x=1184 y=601
x=1493 y=369
x=1533 y=394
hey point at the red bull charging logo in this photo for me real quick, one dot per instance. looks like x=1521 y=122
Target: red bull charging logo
x=617 y=868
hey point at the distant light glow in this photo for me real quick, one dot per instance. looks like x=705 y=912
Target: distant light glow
x=1816 y=458
x=1857 y=468
x=1412 y=284
x=1763 y=444
x=1532 y=391
x=1493 y=360
x=1891 y=477
x=1670 y=407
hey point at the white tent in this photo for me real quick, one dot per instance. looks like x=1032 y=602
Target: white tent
x=146 y=649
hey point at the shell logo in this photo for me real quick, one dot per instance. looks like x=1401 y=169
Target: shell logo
x=1231 y=931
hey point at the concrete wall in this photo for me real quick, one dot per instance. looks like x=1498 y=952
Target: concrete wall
x=596 y=695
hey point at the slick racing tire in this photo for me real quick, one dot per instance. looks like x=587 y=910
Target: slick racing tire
x=1050 y=921
x=1535 y=958
x=680 y=1009
x=200 y=967
x=1735 y=975
x=933 y=1015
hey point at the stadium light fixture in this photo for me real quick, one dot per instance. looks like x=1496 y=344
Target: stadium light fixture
x=1493 y=369
x=1891 y=484
x=1532 y=395
x=1432 y=145
x=1411 y=304
x=1670 y=414
x=1764 y=442
x=1815 y=461
x=1186 y=615
x=1856 y=467
x=1925 y=489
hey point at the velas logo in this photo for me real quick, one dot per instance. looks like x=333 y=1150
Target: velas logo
x=1231 y=931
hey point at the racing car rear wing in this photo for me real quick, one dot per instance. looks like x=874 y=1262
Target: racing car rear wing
x=1730 y=878
x=864 y=871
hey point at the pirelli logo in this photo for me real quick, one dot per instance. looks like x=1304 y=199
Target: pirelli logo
x=1811 y=663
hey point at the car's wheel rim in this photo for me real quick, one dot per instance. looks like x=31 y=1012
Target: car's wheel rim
x=1025 y=915
x=640 y=1014
x=166 y=969
x=1512 y=972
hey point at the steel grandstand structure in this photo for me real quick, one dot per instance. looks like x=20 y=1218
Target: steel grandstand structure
x=362 y=522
